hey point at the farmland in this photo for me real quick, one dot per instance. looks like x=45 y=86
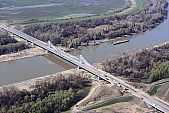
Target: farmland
x=42 y=9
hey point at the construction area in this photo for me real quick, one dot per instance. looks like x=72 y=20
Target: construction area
x=102 y=92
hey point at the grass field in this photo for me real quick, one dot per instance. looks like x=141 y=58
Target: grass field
x=140 y=5
x=42 y=9
x=53 y=19
x=113 y=102
x=158 y=85
x=154 y=90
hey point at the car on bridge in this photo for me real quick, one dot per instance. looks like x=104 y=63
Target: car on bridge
x=118 y=84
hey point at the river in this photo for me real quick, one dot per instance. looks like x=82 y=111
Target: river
x=23 y=69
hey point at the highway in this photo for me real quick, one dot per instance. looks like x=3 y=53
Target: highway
x=99 y=73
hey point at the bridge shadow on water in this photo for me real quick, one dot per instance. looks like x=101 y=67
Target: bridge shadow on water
x=62 y=63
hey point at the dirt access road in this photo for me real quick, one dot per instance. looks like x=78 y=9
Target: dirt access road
x=133 y=5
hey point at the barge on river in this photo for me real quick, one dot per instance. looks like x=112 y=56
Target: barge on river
x=119 y=42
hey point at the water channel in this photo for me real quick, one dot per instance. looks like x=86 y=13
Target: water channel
x=23 y=69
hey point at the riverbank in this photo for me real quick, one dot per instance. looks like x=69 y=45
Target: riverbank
x=27 y=53
x=37 y=51
x=100 y=28
x=29 y=84
x=139 y=66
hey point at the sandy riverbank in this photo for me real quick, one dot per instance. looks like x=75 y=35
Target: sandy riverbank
x=22 y=54
x=27 y=84
x=37 y=51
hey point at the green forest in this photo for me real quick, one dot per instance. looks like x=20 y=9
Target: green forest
x=54 y=103
x=159 y=71
x=9 y=44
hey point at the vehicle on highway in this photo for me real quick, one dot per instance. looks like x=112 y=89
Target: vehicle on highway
x=118 y=84
x=107 y=79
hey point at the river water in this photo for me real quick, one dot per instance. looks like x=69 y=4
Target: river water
x=23 y=69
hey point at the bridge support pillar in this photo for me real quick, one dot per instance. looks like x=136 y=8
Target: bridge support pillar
x=80 y=59
x=49 y=43
x=46 y=51
x=98 y=78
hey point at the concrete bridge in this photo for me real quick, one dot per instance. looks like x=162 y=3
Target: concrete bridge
x=82 y=63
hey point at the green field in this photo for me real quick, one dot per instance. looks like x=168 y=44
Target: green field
x=126 y=99
x=42 y=9
x=158 y=85
x=154 y=90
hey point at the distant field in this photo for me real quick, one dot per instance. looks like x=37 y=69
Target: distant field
x=29 y=9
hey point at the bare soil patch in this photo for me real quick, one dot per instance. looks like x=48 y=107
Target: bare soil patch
x=123 y=107
x=98 y=93
x=22 y=54
x=99 y=28
x=163 y=92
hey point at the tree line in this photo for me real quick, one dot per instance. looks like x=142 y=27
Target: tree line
x=9 y=44
x=73 y=34
x=54 y=103
x=159 y=70
x=53 y=94
x=6 y=39
x=12 y=47
x=141 y=66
